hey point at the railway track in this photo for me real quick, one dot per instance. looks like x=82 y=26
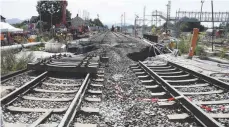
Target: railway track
x=49 y=98
x=99 y=37
x=44 y=100
x=14 y=80
x=204 y=98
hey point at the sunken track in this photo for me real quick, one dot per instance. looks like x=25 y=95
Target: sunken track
x=205 y=98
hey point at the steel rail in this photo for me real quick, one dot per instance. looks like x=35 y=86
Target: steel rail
x=74 y=106
x=11 y=75
x=200 y=115
x=105 y=34
x=208 y=79
x=11 y=96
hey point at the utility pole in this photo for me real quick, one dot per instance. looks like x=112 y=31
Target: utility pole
x=135 y=23
x=212 y=25
x=124 y=22
x=40 y=21
x=168 y=14
x=152 y=19
x=121 y=23
x=156 y=18
x=143 y=20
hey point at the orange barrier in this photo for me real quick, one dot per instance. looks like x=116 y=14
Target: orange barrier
x=2 y=37
x=194 y=40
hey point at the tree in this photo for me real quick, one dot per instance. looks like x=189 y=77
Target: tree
x=187 y=24
x=97 y=22
x=46 y=8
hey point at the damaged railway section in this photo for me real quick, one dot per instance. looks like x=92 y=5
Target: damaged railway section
x=109 y=81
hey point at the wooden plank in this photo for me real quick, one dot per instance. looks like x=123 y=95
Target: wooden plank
x=190 y=86
x=41 y=118
x=21 y=109
x=55 y=84
x=183 y=81
x=219 y=115
x=47 y=99
x=202 y=93
x=55 y=91
x=176 y=76
x=212 y=102
x=164 y=70
x=169 y=73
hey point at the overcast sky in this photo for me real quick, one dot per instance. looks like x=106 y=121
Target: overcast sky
x=110 y=10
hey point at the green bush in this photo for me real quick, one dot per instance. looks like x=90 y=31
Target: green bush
x=184 y=45
x=223 y=52
x=199 y=51
x=10 y=63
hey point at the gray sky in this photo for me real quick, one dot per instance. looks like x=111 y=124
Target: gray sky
x=110 y=10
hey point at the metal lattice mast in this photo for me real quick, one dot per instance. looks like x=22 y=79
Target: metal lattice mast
x=168 y=13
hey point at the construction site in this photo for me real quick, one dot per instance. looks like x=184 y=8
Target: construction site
x=163 y=69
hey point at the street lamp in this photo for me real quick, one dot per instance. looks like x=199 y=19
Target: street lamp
x=202 y=1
